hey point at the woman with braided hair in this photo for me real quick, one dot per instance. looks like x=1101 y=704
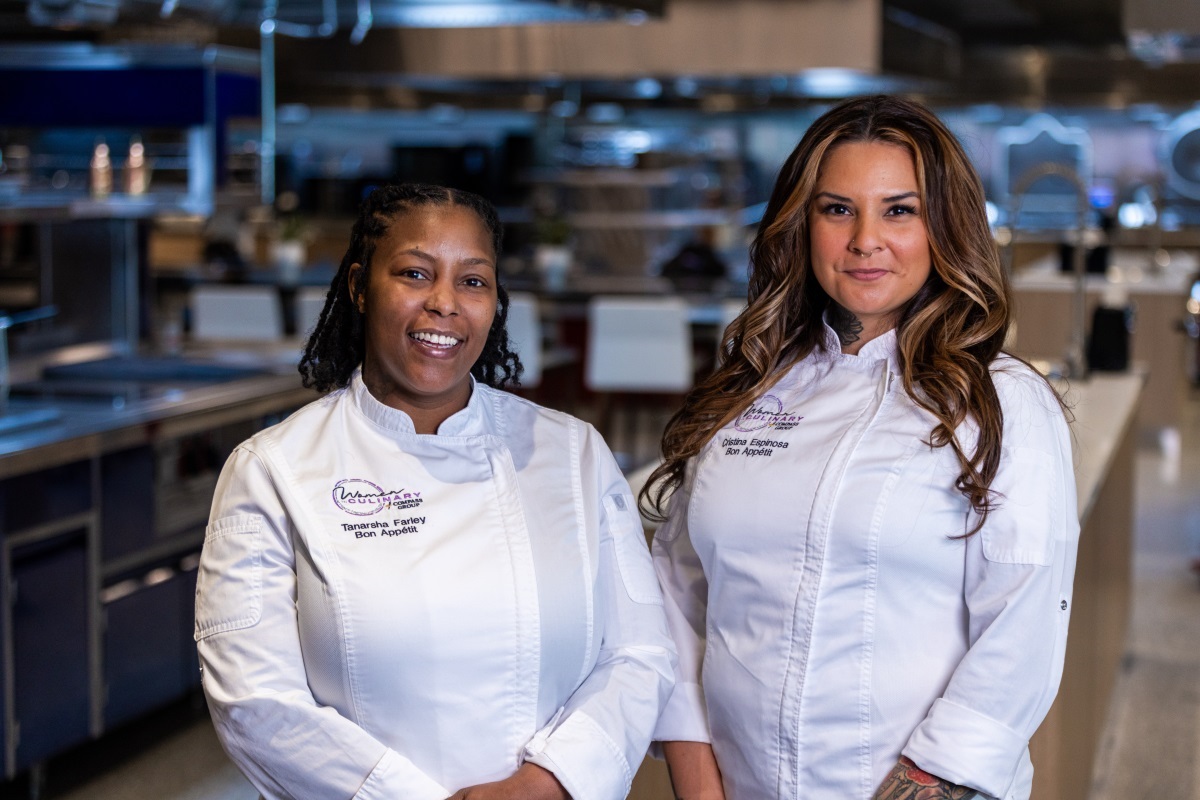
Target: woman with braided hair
x=871 y=528
x=420 y=586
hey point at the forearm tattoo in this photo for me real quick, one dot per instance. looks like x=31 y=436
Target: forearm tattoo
x=847 y=326
x=907 y=781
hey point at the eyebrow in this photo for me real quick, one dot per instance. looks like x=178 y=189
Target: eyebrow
x=892 y=199
x=421 y=254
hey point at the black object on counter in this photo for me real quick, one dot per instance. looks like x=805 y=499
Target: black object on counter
x=1095 y=259
x=694 y=268
x=1108 y=346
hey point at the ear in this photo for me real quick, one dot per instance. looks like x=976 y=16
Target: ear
x=353 y=286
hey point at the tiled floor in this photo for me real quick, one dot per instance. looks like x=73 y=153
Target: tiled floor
x=1151 y=750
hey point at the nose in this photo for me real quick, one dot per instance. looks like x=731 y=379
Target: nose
x=867 y=239
x=441 y=298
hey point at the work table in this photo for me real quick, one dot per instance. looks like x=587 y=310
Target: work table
x=102 y=514
x=1104 y=407
x=88 y=427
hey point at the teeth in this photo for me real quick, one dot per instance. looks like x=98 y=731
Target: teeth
x=435 y=339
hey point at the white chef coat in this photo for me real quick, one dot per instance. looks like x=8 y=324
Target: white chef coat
x=383 y=614
x=827 y=619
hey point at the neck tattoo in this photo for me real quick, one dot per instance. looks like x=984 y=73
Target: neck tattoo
x=847 y=326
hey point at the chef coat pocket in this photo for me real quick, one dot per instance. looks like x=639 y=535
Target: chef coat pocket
x=229 y=581
x=1022 y=527
x=633 y=557
x=918 y=495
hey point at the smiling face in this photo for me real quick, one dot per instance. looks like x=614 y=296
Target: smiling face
x=869 y=246
x=428 y=307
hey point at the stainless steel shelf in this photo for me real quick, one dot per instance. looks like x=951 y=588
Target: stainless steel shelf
x=647 y=220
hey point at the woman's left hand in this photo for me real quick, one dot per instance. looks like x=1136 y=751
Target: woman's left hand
x=530 y=782
x=907 y=781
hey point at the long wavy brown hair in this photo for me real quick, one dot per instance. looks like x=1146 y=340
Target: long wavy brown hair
x=948 y=334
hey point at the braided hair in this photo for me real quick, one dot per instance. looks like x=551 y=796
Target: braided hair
x=338 y=342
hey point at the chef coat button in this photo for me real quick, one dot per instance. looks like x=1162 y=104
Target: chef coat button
x=1063 y=605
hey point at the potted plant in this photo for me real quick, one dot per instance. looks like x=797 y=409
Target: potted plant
x=552 y=254
x=289 y=250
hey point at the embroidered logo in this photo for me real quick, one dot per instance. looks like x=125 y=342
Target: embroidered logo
x=363 y=498
x=766 y=413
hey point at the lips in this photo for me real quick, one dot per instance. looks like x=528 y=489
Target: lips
x=866 y=274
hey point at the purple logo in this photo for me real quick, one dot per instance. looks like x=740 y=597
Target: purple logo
x=362 y=498
x=766 y=413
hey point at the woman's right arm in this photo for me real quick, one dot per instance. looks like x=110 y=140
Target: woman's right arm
x=254 y=677
x=683 y=727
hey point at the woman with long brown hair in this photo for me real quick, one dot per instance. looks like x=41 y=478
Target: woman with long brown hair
x=870 y=510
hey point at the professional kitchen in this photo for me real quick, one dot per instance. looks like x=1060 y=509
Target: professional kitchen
x=180 y=194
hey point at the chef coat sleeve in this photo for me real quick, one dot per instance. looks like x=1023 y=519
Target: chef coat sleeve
x=685 y=592
x=596 y=742
x=253 y=671
x=1020 y=568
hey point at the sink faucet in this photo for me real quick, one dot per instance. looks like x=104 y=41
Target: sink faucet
x=1075 y=360
x=1151 y=192
x=8 y=320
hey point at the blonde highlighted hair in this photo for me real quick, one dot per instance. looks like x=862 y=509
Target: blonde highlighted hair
x=948 y=334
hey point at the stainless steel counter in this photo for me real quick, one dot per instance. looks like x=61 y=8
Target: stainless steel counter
x=86 y=428
x=103 y=509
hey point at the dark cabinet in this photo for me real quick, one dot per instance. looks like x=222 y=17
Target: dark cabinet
x=49 y=617
x=45 y=496
x=127 y=506
x=98 y=562
x=144 y=644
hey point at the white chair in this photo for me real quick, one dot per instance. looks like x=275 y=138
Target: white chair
x=309 y=302
x=637 y=346
x=730 y=309
x=525 y=336
x=245 y=313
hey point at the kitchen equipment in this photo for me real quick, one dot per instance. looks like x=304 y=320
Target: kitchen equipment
x=7 y=320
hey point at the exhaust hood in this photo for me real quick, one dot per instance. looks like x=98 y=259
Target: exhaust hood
x=1162 y=31
x=474 y=14
x=323 y=17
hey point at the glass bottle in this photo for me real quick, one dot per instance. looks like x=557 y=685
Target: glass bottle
x=137 y=170
x=101 y=172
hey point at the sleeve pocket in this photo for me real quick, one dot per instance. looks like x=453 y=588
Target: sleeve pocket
x=229 y=581
x=633 y=557
x=1021 y=530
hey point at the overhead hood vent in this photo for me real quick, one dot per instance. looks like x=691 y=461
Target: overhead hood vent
x=1161 y=32
x=474 y=14
x=328 y=15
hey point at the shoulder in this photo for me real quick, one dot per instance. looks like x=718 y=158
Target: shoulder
x=515 y=418
x=1030 y=404
x=1016 y=381
x=299 y=425
x=524 y=424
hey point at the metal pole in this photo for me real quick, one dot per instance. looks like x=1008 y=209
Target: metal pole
x=266 y=149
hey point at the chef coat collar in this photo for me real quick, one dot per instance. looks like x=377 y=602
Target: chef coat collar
x=881 y=348
x=467 y=422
